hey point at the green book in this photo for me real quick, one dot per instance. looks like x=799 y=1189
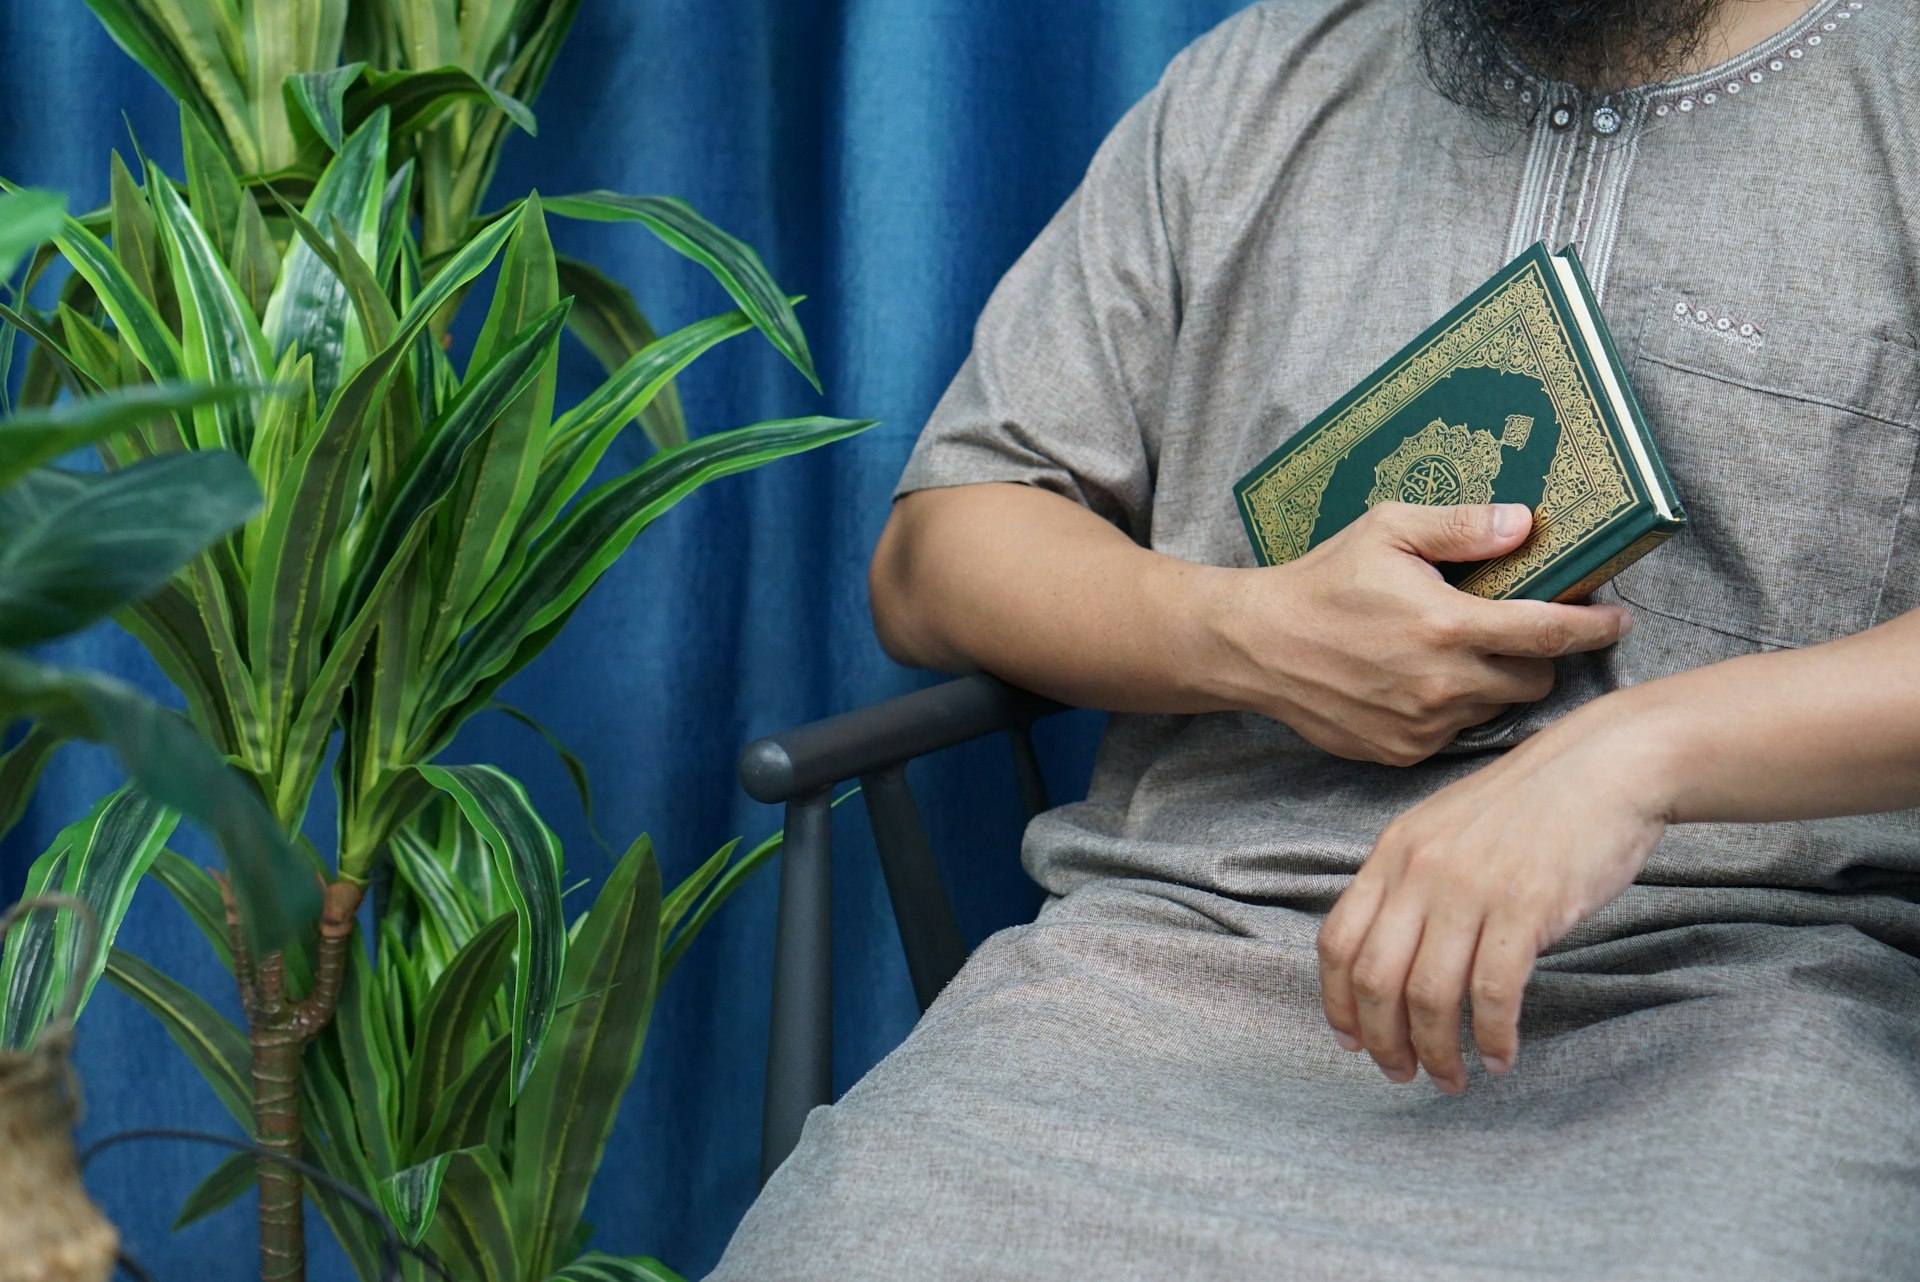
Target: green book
x=1515 y=396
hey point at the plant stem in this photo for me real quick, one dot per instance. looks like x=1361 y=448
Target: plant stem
x=278 y=1030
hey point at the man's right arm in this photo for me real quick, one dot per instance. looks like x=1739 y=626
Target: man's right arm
x=1360 y=646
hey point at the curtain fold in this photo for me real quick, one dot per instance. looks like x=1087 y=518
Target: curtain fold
x=890 y=159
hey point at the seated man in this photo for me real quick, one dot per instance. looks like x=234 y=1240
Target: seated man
x=1630 y=880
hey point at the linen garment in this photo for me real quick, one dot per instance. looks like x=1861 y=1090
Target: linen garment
x=1720 y=1073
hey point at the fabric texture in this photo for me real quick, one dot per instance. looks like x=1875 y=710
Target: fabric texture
x=890 y=161
x=1717 y=1075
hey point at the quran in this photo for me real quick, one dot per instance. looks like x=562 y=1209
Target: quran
x=1515 y=396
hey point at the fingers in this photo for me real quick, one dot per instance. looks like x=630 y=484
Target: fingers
x=1380 y=988
x=1501 y=965
x=1463 y=532
x=1341 y=936
x=1436 y=990
x=1542 y=629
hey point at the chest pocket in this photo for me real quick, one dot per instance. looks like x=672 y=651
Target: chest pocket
x=1793 y=456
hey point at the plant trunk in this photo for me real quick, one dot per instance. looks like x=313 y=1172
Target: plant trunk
x=278 y=1030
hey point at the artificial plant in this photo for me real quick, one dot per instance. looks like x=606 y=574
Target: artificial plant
x=426 y=531
x=74 y=546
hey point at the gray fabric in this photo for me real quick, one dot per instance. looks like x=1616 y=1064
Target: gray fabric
x=1718 y=1076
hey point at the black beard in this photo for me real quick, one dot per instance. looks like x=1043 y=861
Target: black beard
x=1469 y=46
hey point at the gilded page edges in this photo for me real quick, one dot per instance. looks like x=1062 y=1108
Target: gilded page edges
x=1515 y=328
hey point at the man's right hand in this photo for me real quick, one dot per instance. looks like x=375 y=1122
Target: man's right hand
x=1363 y=649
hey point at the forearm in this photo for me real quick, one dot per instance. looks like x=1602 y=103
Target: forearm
x=1034 y=588
x=1798 y=734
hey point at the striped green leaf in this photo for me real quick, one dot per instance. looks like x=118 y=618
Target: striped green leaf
x=332 y=1131
x=217 y=1049
x=33 y=438
x=707 y=900
x=89 y=548
x=319 y=97
x=293 y=591
x=254 y=258
x=175 y=634
x=215 y=193
x=573 y=555
x=20 y=768
x=230 y=1181
x=610 y=324
x=470 y=1111
x=568 y=1106
x=220 y=341
x=77 y=545
x=140 y=326
x=580 y=437
x=310 y=310
x=452 y=1013
x=163 y=755
x=526 y=860
x=194 y=890
x=493 y=487
x=597 y=1267
x=369 y=1059
x=472 y=1230
x=136 y=241
x=433 y=471
x=28 y=219
x=419 y=99
x=148 y=43
x=733 y=263
x=412 y=1196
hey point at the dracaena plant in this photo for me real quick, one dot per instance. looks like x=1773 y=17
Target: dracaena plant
x=74 y=546
x=276 y=85
x=426 y=531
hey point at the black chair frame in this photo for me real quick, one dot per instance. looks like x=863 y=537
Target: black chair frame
x=800 y=769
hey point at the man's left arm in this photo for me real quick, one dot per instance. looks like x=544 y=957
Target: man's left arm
x=1463 y=892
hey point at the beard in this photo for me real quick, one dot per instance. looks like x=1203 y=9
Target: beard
x=1469 y=46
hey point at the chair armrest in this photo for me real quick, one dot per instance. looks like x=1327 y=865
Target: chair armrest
x=798 y=762
x=798 y=768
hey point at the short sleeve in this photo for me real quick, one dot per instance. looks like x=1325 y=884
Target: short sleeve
x=1066 y=382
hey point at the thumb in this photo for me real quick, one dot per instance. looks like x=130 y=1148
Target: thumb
x=1462 y=532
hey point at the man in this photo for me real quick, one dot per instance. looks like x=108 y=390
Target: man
x=1632 y=881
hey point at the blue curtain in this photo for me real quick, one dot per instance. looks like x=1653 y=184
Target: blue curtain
x=890 y=158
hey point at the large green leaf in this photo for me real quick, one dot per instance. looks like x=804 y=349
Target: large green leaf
x=166 y=758
x=20 y=768
x=292 y=592
x=146 y=40
x=32 y=438
x=320 y=98
x=568 y=1107
x=470 y=1112
x=449 y=1019
x=215 y=192
x=733 y=263
x=432 y=473
x=310 y=310
x=472 y=1230
x=607 y=320
x=220 y=341
x=526 y=859
x=27 y=219
x=494 y=486
x=597 y=1267
x=419 y=99
x=217 y=1049
x=591 y=536
x=413 y=1195
x=100 y=861
x=141 y=327
x=228 y=1183
x=82 y=551
x=136 y=240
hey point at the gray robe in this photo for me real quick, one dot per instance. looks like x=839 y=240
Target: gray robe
x=1719 y=1074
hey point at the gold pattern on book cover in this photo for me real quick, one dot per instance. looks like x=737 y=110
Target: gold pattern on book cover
x=1443 y=463
x=1515 y=330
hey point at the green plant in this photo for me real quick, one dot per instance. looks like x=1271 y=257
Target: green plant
x=426 y=531
x=74 y=547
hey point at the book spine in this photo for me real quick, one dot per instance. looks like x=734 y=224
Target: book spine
x=1612 y=355
x=1585 y=585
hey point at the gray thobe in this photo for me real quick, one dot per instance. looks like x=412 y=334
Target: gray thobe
x=1720 y=1073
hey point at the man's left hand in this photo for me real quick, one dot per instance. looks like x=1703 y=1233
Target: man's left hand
x=1463 y=892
